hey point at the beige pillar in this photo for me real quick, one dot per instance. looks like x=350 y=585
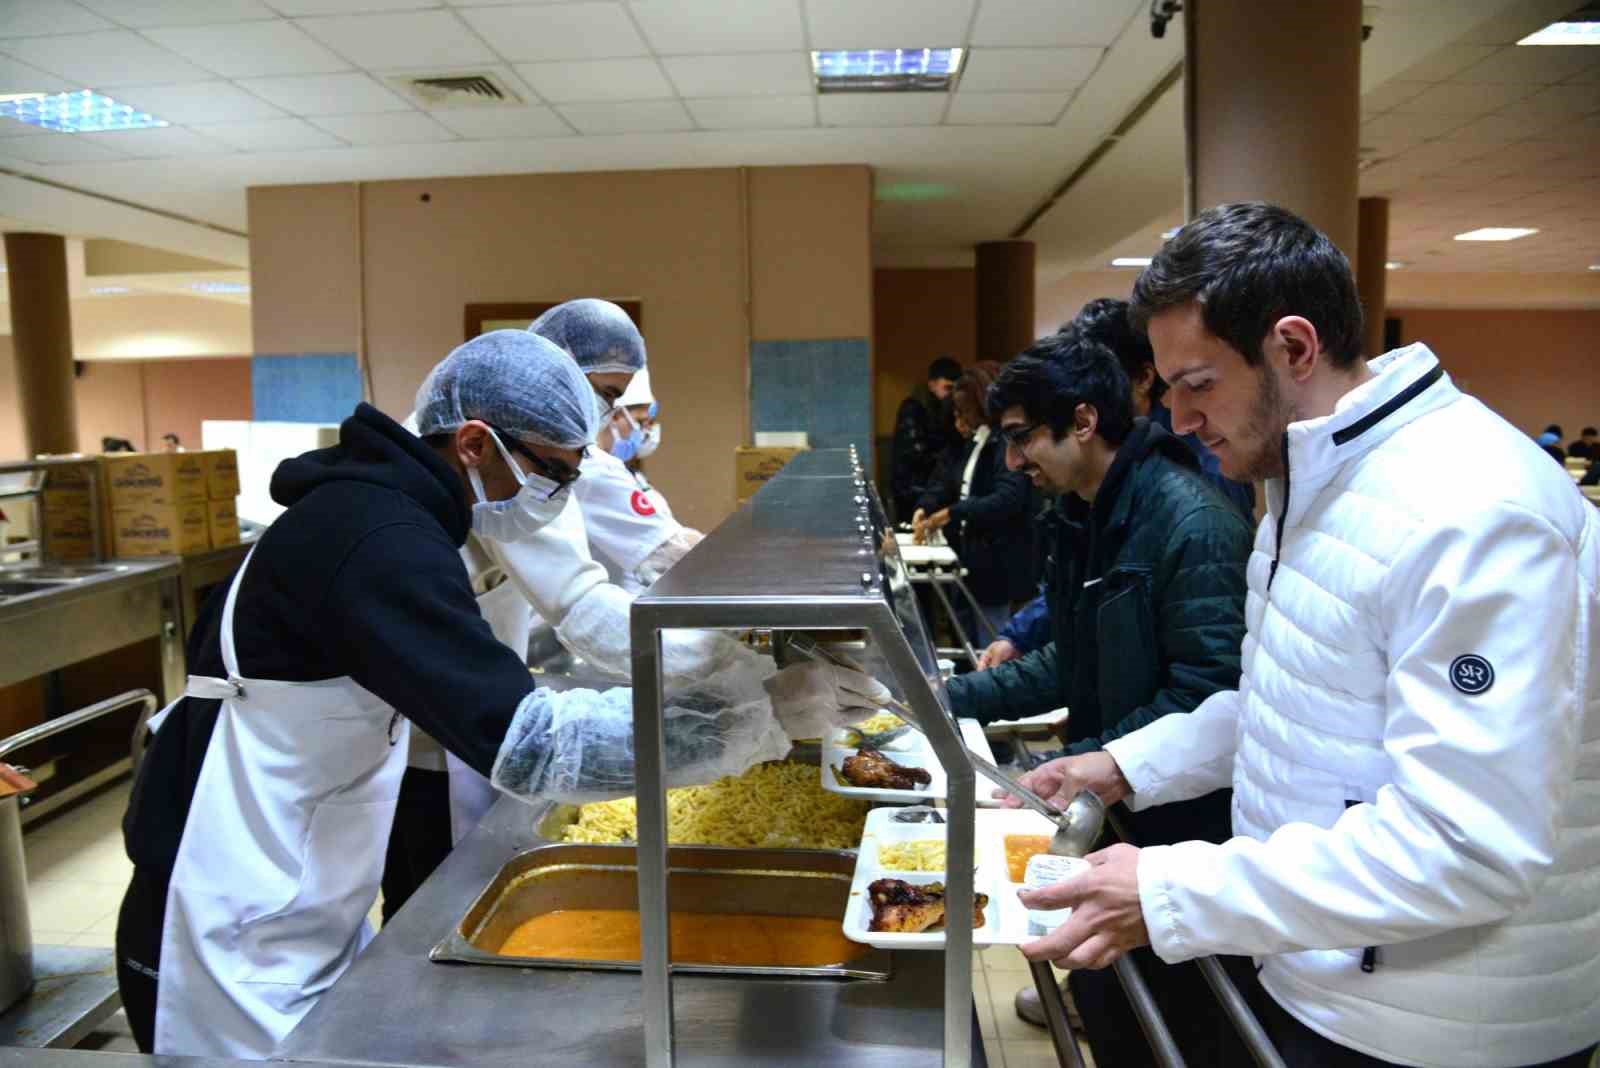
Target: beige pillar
x=1372 y=276
x=1274 y=107
x=41 y=335
x=1005 y=298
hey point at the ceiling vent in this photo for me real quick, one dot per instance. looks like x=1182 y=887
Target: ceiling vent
x=455 y=90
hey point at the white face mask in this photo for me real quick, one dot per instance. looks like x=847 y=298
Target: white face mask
x=651 y=442
x=538 y=501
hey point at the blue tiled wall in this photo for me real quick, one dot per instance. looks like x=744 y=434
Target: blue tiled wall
x=821 y=387
x=314 y=388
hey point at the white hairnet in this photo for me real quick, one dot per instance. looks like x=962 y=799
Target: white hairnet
x=638 y=391
x=516 y=382
x=597 y=333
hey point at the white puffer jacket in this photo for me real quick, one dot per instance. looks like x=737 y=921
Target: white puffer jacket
x=1415 y=745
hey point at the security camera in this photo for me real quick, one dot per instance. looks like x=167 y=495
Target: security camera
x=1161 y=13
x=1369 y=18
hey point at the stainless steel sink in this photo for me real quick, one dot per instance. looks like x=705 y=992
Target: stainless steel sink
x=23 y=589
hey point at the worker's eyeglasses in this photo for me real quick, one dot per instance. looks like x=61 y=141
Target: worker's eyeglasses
x=557 y=471
x=1016 y=437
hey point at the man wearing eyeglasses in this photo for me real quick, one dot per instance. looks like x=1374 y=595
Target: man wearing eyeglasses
x=1146 y=591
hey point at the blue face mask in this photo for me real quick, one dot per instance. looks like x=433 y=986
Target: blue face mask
x=627 y=448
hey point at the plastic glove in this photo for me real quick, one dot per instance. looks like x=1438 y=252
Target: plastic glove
x=661 y=559
x=815 y=697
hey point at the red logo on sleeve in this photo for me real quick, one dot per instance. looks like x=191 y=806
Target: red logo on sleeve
x=641 y=503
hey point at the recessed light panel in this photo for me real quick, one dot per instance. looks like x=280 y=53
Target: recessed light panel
x=1496 y=233
x=1131 y=261
x=1565 y=33
x=879 y=70
x=83 y=111
x=1393 y=265
x=231 y=288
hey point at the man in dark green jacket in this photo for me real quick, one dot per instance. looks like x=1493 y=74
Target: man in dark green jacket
x=1146 y=590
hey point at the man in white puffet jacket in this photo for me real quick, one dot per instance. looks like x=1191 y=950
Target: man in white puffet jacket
x=1414 y=747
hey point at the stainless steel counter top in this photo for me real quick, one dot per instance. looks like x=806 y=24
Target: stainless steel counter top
x=395 y=1007
x=96 y=579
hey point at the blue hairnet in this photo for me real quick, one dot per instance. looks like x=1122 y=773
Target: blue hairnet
x=516 y=382
x=597 y=333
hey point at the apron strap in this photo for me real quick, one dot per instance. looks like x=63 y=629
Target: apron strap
x=230 y=656
x=208 y=686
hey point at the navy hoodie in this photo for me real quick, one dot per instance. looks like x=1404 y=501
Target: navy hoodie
x=361 y=577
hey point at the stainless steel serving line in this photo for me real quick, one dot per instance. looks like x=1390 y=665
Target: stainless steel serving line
x=813 y=550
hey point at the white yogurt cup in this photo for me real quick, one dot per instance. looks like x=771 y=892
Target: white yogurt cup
x=1044 y=870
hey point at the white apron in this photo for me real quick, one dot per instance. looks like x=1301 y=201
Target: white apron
x=511 y=618
x=281 y=858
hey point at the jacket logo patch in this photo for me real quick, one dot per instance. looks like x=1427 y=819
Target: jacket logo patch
x=1471 y=674
x=641 y=503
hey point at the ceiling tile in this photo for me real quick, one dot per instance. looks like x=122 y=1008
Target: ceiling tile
x=881 y=109
x=296 y=8
x=636 y=116
x=57 y=148
x=1557 y=100
x=501 y=124
x=751 y=74
x=401 y=39
x=707 y=27
x=250 y=49
x=38 y=18
x=143 y=14
x=327 y=94
x=163 y=143
x=762 y=113
x=1001 y=70
x=1499 y=128
x=559 y=31
x=1007 y=109
x=20 y=78
x=598 y=79
x=1040 y=23
x=389 y=128
x=1445 y=62
x=271 y=135
x=199 y=102
x=105 y=60
x=1391 y=94
x=1452 y=98
x=888 y=23
x=1529 y=66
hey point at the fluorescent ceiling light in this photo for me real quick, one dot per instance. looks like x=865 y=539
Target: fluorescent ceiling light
x=1168 y=235
x=1565 y=33
x=1131 y=261
x=878 y=70
x=1496 y=233
x=109 y=291
x=1592 y=267
x=219 y=287
x=1393 y=265
x=84 y=111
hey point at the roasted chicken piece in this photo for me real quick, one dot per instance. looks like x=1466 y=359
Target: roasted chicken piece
x=907 y=908
x=871 y=768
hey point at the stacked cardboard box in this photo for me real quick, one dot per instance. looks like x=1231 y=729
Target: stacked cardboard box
x=755 y=465
x=68 y=513
x=157 y=502
x=222 y=496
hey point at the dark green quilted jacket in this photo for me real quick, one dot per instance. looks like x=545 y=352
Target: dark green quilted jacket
x=1146 y=590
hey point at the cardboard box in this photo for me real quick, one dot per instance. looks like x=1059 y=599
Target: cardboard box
x=74 y=476
x=161 y=529
x=222 y=474
x=753 y=467
x=138 y=479
x=69 y=532
x=222 y=522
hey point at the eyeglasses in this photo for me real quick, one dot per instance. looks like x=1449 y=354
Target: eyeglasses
x=557 y=471
x=1016 y=437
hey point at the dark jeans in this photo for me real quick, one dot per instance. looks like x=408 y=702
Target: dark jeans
x=420 y=838
x=1198 y=1025
x=1300 y=1045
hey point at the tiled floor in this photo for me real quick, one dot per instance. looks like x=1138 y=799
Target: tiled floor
x=1008 y=1041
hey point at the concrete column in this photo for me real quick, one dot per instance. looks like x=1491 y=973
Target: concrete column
x=1372 y=276
x=1274 y=107
x=41 y=335
x=1005 y=298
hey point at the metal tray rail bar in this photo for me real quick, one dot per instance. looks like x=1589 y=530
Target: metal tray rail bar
x=809 y=539
x=955 y=624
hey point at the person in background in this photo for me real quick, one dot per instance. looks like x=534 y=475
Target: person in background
x=1106 y=321
x=1147 y=589
x=258 y=820
x=1550 y=442
x=983 y=509
x=170 y=443
x=1414 y=746
x=630 y=525
x=1587 y=447
x=922 y=434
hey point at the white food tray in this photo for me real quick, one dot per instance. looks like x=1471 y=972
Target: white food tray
x=912 y=750
x=1005 y=921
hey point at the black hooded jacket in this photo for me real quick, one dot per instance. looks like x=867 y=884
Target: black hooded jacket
x=361 y=577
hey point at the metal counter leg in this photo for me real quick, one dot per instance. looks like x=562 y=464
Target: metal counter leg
x=1144 y=1007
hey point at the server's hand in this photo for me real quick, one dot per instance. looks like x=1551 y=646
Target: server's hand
x=1000 y=650
x=1059 y=781
x=1107 y=919
x=812 y=698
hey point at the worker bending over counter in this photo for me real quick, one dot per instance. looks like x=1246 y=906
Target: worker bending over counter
x=258 y=820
